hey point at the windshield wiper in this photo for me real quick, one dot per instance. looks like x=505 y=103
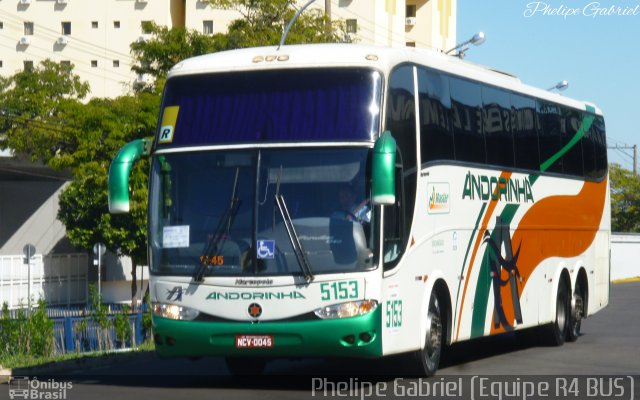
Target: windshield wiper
x=298 y=250
x=220 y=234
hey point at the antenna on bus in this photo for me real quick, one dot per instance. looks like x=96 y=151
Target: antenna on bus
x=288 y=28
x=476 y=40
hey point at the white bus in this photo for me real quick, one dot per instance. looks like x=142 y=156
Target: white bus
x=354 y=201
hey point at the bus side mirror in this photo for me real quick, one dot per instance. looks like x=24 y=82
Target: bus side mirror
x=383 y=170
x=120 y=170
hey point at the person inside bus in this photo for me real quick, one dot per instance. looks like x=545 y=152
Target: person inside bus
x=350 y=208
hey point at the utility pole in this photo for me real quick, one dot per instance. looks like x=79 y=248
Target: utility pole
x=635 y=154
x=327 y=8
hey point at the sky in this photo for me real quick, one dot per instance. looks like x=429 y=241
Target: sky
x=599 y=55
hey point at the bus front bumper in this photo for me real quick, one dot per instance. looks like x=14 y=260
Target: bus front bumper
x=347 y=337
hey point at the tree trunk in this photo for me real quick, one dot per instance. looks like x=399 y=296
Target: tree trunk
x=134 y=285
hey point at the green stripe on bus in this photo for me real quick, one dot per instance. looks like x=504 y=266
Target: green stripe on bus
x=584 y=128
x=473 y=235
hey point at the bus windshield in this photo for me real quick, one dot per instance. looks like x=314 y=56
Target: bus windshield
x=219 y=209
x=320 y=105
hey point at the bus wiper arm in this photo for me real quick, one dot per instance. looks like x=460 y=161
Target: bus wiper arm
x=298 y=250
x=220 y=234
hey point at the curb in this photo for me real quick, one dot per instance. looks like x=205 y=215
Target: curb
x=68 y=366
x=626 y=280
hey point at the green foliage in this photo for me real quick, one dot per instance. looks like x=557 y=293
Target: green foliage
x=166 y=47
x=33 y=110
x=29 y=334
x=123 y=325
x=263 y=22
x=625 y=199
x=99 y=314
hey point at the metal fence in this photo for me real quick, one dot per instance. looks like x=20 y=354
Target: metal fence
x=74 y=329
x=59 y=279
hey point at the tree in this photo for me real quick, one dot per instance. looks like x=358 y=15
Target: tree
x=167 y=47
x=625 y=199
x=263 y=22
x=33 y=104
x=108 y=125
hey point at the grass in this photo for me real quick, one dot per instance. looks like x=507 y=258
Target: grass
x=26 y=361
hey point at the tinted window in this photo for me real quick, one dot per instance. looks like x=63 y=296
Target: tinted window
x=401 y=121
x=466 y=117
x=589 y=153
x=401 y=113
x=436 y=135
x=299 y=105
x=497 y=126
x=549 y=137
x=601 y=146
x=570 y=123
x=523 y=127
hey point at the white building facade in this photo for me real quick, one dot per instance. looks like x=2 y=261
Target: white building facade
x=95 y=35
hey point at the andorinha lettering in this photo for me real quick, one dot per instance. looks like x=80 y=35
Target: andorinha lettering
x=255 y=295
x=482 y=187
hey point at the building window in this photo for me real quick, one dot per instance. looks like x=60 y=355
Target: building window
x=28 y=65
x=94 y=63
x=116 y=24
x=0 y=63
x=94 y=24
x=411 y=10
x=116 y=63
x=145 y=26
x=28 y=28
x=65 y=63
x=66 y=28
x=207 y=27
x=1 y=25
x=411 y=44
x=352 y=25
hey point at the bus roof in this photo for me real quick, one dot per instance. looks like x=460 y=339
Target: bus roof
x=353 y=55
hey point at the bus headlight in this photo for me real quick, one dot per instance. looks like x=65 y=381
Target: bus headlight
x=173 y=311
x=346 y=310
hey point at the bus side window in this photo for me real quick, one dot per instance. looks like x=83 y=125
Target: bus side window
x=436 y=135
x=466 y=116
x=523 y=126
x=549 y=135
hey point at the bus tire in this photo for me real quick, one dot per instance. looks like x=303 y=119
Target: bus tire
x=576 y=315
x=245 y=366
x=559 y=327
x=429 y=356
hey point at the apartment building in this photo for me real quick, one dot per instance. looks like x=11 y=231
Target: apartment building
x=94 y=35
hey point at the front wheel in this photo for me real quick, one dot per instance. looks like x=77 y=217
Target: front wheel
x=429 y=356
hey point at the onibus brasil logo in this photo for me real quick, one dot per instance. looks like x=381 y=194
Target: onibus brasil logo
x=21 y=387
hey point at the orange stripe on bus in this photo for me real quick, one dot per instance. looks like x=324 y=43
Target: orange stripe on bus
x=481 y=229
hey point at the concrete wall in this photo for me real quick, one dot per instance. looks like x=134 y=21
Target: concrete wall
x=625 y=255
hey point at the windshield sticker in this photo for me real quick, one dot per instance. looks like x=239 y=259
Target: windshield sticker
x=174 y=237
x=169 y=118
x=266 y=249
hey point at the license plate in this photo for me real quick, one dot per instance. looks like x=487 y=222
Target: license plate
x=254 y=341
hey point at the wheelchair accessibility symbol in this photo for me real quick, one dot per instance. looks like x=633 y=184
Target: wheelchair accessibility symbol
x=266 y=249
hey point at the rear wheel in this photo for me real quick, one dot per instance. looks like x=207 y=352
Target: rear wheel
x=245 y=366
x=558 y=329
x=576 y=315
x=429 y=356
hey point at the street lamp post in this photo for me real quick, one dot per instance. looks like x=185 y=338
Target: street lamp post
x=476 y=40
